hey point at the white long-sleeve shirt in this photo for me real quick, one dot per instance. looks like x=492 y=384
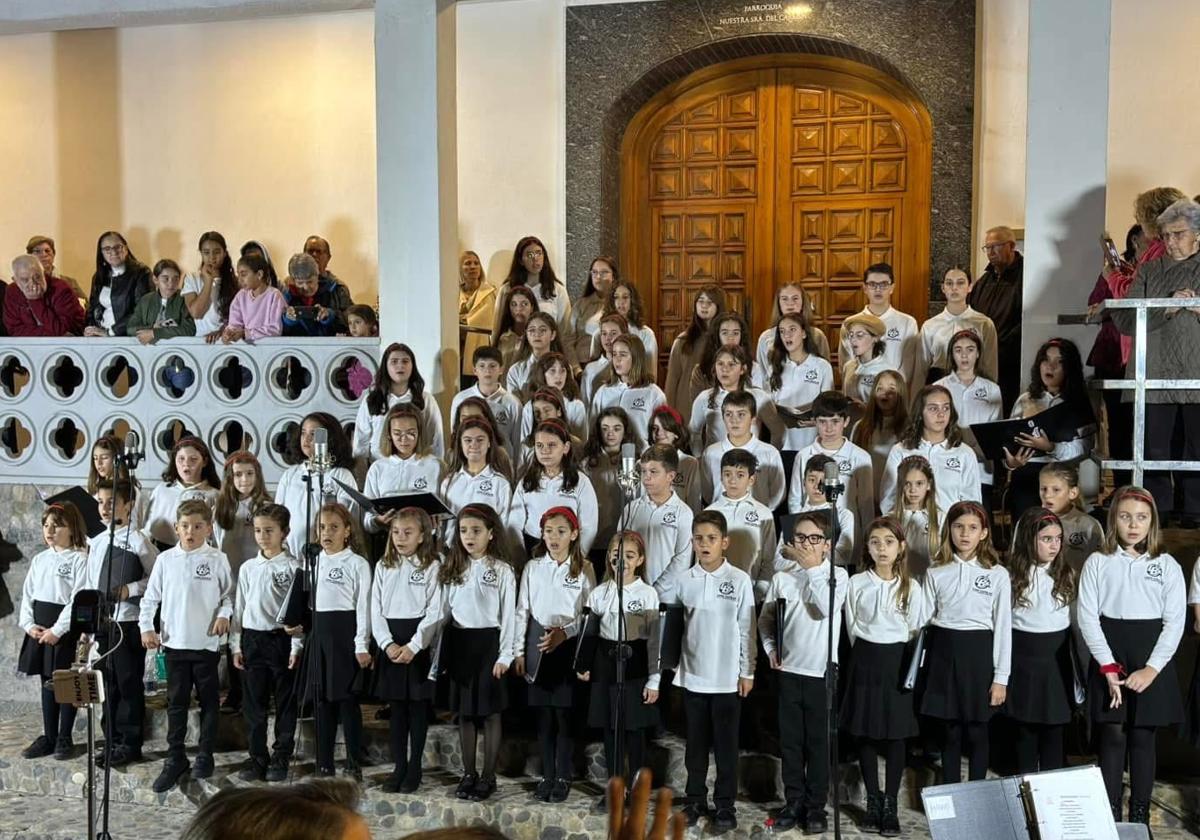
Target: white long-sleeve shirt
x=900 y=342
x=639 y=404
x=979 y=402
x=577 y=422
x=855 y=467
x=406 y=591
x=368 y=427
x=667 y=530
x=707 y=425
x=934 y=350
x=587 y=379
x=770 y=481
x=52 y=578
x=1040 y=611
x=858 y=378
x=487 y=597
x=293 y=493
x=393 y=476
x=873 y=612
x=955 y=472
x=641 y=619
x=751 y=527
x=805 y=622
x=799 y=386
x=718 y=636
x=506 y=408
x=552 y=596
x=525 y=515
x=1137 y=587
x=963 y=595
x=344 y=584
x=164 y=503
x=128 y=540
x=488 y=487
x=194 y=589
x=1068 y=451
x=263 y=585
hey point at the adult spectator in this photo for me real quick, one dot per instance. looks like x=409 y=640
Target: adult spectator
x=1172 y=352
x=317 y=247
x=44 y=249
x=998 y=295
x=118 y=284
x=314 y=306
x=318 y=809
x=40 y=307
x=476 y=309
x=211 y=290
x=586 y=312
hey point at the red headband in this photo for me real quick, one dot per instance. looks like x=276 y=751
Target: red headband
x=666 y=409
x=967 y=333
x=631 y=535
x=565 y=512
x=1138 y=494
x=555 y=424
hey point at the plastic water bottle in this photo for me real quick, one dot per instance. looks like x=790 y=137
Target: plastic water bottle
x=151 y=673
x=160 y=666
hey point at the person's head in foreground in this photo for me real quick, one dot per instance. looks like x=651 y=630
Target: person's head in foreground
x=320 y=809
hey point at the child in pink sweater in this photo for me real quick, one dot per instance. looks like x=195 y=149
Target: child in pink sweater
x=257 y=309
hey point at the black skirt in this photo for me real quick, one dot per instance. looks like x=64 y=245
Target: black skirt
x=466 y=661
x=958 y=675
x=873 y=705
x=603 y=699
x=395 y=681
x=38 y=660
x=330 y=650
x=1131 y=642
x=556 y=684
x=1041 y=687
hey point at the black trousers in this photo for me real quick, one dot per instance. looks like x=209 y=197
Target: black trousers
x=265 y=657
x=329 y=713
x=124 y=692
x=712 y=723
x=1162 y=419
x=804 y=740
x=188 y=670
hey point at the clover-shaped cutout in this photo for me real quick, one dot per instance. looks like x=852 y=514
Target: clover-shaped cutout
x=14 y=376
x=231 y=436
x=67 y=438
x=233 y=377
x=14 y=437
x=176 y=377
x=120 y=376
x=65 y=376
x=292 y=378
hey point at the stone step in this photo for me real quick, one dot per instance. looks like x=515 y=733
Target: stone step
x=38 y=817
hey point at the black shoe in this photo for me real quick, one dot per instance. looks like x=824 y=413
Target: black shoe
x=277 y=770
x=203 y=766
x=173 y=770
x=560 y=791
x=326 y=772
x=724 y=820
x=412 y=780
x=392 y=783
x=484 y=788
x=1139 y=812
x=64 y=748
x=467 y=785
x=255 y=770
x=787 y=817
x=121 y=755
x=353 y=771
x=40 y=748
x=873 y=815
x=816 y=822
x=889 y=821
x=693 y=812
x=542 y=792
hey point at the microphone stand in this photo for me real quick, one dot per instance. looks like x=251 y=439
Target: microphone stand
x=312 y=551
x=628 y=484
x=833 y=489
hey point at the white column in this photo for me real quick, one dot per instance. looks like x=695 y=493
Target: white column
x=417 y=184
x=1066 y=170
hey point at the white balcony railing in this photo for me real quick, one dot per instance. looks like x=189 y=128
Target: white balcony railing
x=58 y=395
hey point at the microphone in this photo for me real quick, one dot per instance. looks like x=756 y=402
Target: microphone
x=320 y=457
x=133 y=454
x=832 y=482
x=628 y=476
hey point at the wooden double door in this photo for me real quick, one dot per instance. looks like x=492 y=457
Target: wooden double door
x=759 y=171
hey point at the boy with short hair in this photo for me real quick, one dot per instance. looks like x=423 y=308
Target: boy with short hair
x=814 y=488
x=738 y=411
x=162 y=313
x=716 y=667
x=900 y=336
x=193 y=585
x=488 y=364
x=125 y=666
x=831 y=414
x=934 y=357
x=803 y=721
x=750 y=523
x=663 y=520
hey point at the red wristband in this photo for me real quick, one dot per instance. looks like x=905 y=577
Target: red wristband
x=1113 y=668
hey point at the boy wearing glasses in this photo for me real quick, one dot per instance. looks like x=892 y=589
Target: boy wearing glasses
x=801 y=669
x=901 y=338
x=814 y=487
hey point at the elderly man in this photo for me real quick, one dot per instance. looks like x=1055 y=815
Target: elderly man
x=998 y=295
x=1172 y=352
x=44 y=249
x=40 y=307
x=313 y=306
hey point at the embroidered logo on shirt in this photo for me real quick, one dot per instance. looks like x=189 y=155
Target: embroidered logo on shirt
x=639 y=403
x=416 y=576
x=811 y=376
x=282 y=580
x=635 y=605
x=1154 y=572
x=980 y=394
x=954 y=463
x=983 y=583
x=490 y=577
x=571 y=581
x=485 y=486
x=669 y=517
x=752 y=517
x=335 y=575
x=1076 y=539
x=502 y=417
x=203 y=570
x=893 y=334
x=868 y=381
x=64 y=570
x=420 y=483
x=844 y=467
x=726 y=589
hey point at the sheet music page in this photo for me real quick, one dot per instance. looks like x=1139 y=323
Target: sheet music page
x=1071 y=805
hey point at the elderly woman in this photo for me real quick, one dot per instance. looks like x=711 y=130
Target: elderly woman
x=1172 y=352
x=476 y=310
x=314 y=305
x=38 y=306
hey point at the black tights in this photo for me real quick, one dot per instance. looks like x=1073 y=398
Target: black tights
x=635 y=752
x=1039 y=747
x=468 y=732
x=962 y=736
x=868 y=760
x=1114 y=737
x=554 y=734
x=410 y=719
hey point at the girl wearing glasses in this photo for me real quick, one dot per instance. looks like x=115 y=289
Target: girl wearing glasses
x=406 y=465
x=864 y=334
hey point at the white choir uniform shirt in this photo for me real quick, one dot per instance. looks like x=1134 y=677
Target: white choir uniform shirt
x=211 y=321
x=900 y=343
x=577 y=419
x=238 y=543
x=1068 y=451
x=955 y=471
x=164 y=506
x=344 y=584
x=1039 y=611
x=962 y=595
x=649 y=342
x=126 y=539
x=979 y=402
x=1128 y=586
x=639 y=404
x=843 y=552
x=799 y=386
x=506 y=408
x=262 y=592
x=518 y=374
x=405 y=591
x=805 y=622
x=194 y=589
x=552 y=596
x=294 y=494
x=488 y=487
x=393 y=476
x=368 y=427
x=934 y=349
x=855 y=468
x=766 y=340
x=873 y=612
x=667 y=532
x=858 y=378
x=751 y=531
x=718 y=635
x=487 y=597
x=707 y=425
x=770 y=482
x=1082 y=536
x=52 y=578
x=641 y=619
x=525 y=515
